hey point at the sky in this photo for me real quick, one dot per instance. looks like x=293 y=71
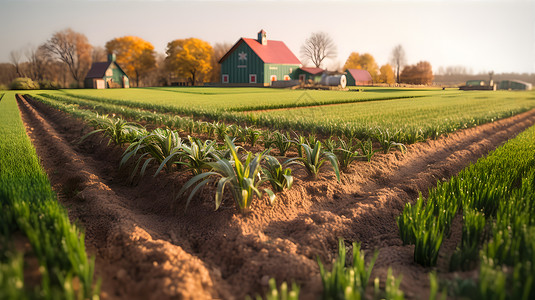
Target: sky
x=481 y=35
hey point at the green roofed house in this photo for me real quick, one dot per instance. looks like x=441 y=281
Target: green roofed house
x=104 y=75
x=257 y=62
x=308 y=74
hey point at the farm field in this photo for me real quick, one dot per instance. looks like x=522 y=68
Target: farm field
x=148 y=246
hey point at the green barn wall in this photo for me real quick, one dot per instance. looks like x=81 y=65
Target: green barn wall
x=233 y=66
x=278 y=70
x=350 y=79
x=308 y=76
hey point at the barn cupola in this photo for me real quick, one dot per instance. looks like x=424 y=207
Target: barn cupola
x=111 y=57
x=262 y=38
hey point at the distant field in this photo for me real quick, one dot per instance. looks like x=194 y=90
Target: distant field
x=414 y=114
x=437 y=110
x=243 y=99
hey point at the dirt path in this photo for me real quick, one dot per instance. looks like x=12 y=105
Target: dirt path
x=147 y=251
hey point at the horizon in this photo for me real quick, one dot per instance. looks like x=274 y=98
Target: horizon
x=481 y=36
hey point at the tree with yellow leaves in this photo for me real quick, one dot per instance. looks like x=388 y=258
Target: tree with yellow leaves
x=189 y=58
x=362 y=62
x=386 y=74
x=135 y=55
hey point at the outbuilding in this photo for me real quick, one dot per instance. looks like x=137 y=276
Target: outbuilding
x=257 y=62
x=308 y=74
x=358 y=77
x=514 y=85
x=104 y=75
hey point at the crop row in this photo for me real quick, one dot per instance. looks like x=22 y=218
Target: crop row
x=496 y=197
x=407 y=120
x=31 y=214
x=352 y=147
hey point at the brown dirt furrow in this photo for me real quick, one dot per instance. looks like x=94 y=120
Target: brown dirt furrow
x=133 y=264
x=147 y=250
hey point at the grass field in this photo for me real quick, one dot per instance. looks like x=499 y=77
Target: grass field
x=30 y=212
x=244 y=99
x=406 y=115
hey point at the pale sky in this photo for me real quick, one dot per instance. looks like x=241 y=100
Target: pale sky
x=482 y=35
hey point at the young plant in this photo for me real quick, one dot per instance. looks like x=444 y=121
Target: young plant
x=282 y=142
x=347 y=282
x=386 y=140
x=118 y=130
x=366 y=148
x=251 y=135
x=243 y=179
x=347 y=153
x=195 y=156
x=280 y=178
x=313 y=159
x=221 y=130
x=162 y=146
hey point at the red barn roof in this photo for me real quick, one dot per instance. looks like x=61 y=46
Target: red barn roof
x=360 y=75
x=313 y=71
x=274 y=52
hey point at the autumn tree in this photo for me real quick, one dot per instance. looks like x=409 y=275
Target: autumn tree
x=135 y=55
x=386 y=74
x=190 y=58
x=363 y=62
x=421 y=73
x=398 y=60
x=318 y=47
x=73 y=49
x=220 y=49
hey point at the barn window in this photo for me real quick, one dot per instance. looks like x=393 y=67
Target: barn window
x=286 y=77
x=252 y=78
x=273 y=78
x=224 y=78
x=302 y=77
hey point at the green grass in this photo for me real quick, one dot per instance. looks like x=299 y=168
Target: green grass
x=497 y=199
x=29 y=210
x=408 y=115
x=245 y=99
x=439 y=113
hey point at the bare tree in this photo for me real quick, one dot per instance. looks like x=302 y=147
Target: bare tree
x=73 y=49
x=398 y=60
x=38 y=61
x=15 y=57
x=99 y=54
x=318 y=47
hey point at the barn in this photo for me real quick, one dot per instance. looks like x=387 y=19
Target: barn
x=108 y=74
x=358 y=77
x=308 y=74
x=257 y=62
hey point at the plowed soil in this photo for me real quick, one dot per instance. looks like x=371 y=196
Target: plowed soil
x=146 y=247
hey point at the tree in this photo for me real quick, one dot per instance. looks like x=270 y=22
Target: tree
x=38 y=62
x=421 y=73
x=189 y=58
x=317 y=48
x=99 y=54
x=15 y=57
x=135 y=55
x=386 y=74
x=73 y=49
x=220 y=49
x=398 y=60
x=363 y=62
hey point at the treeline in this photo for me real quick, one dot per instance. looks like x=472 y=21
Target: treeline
x=64 y=60
x=453 y=79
